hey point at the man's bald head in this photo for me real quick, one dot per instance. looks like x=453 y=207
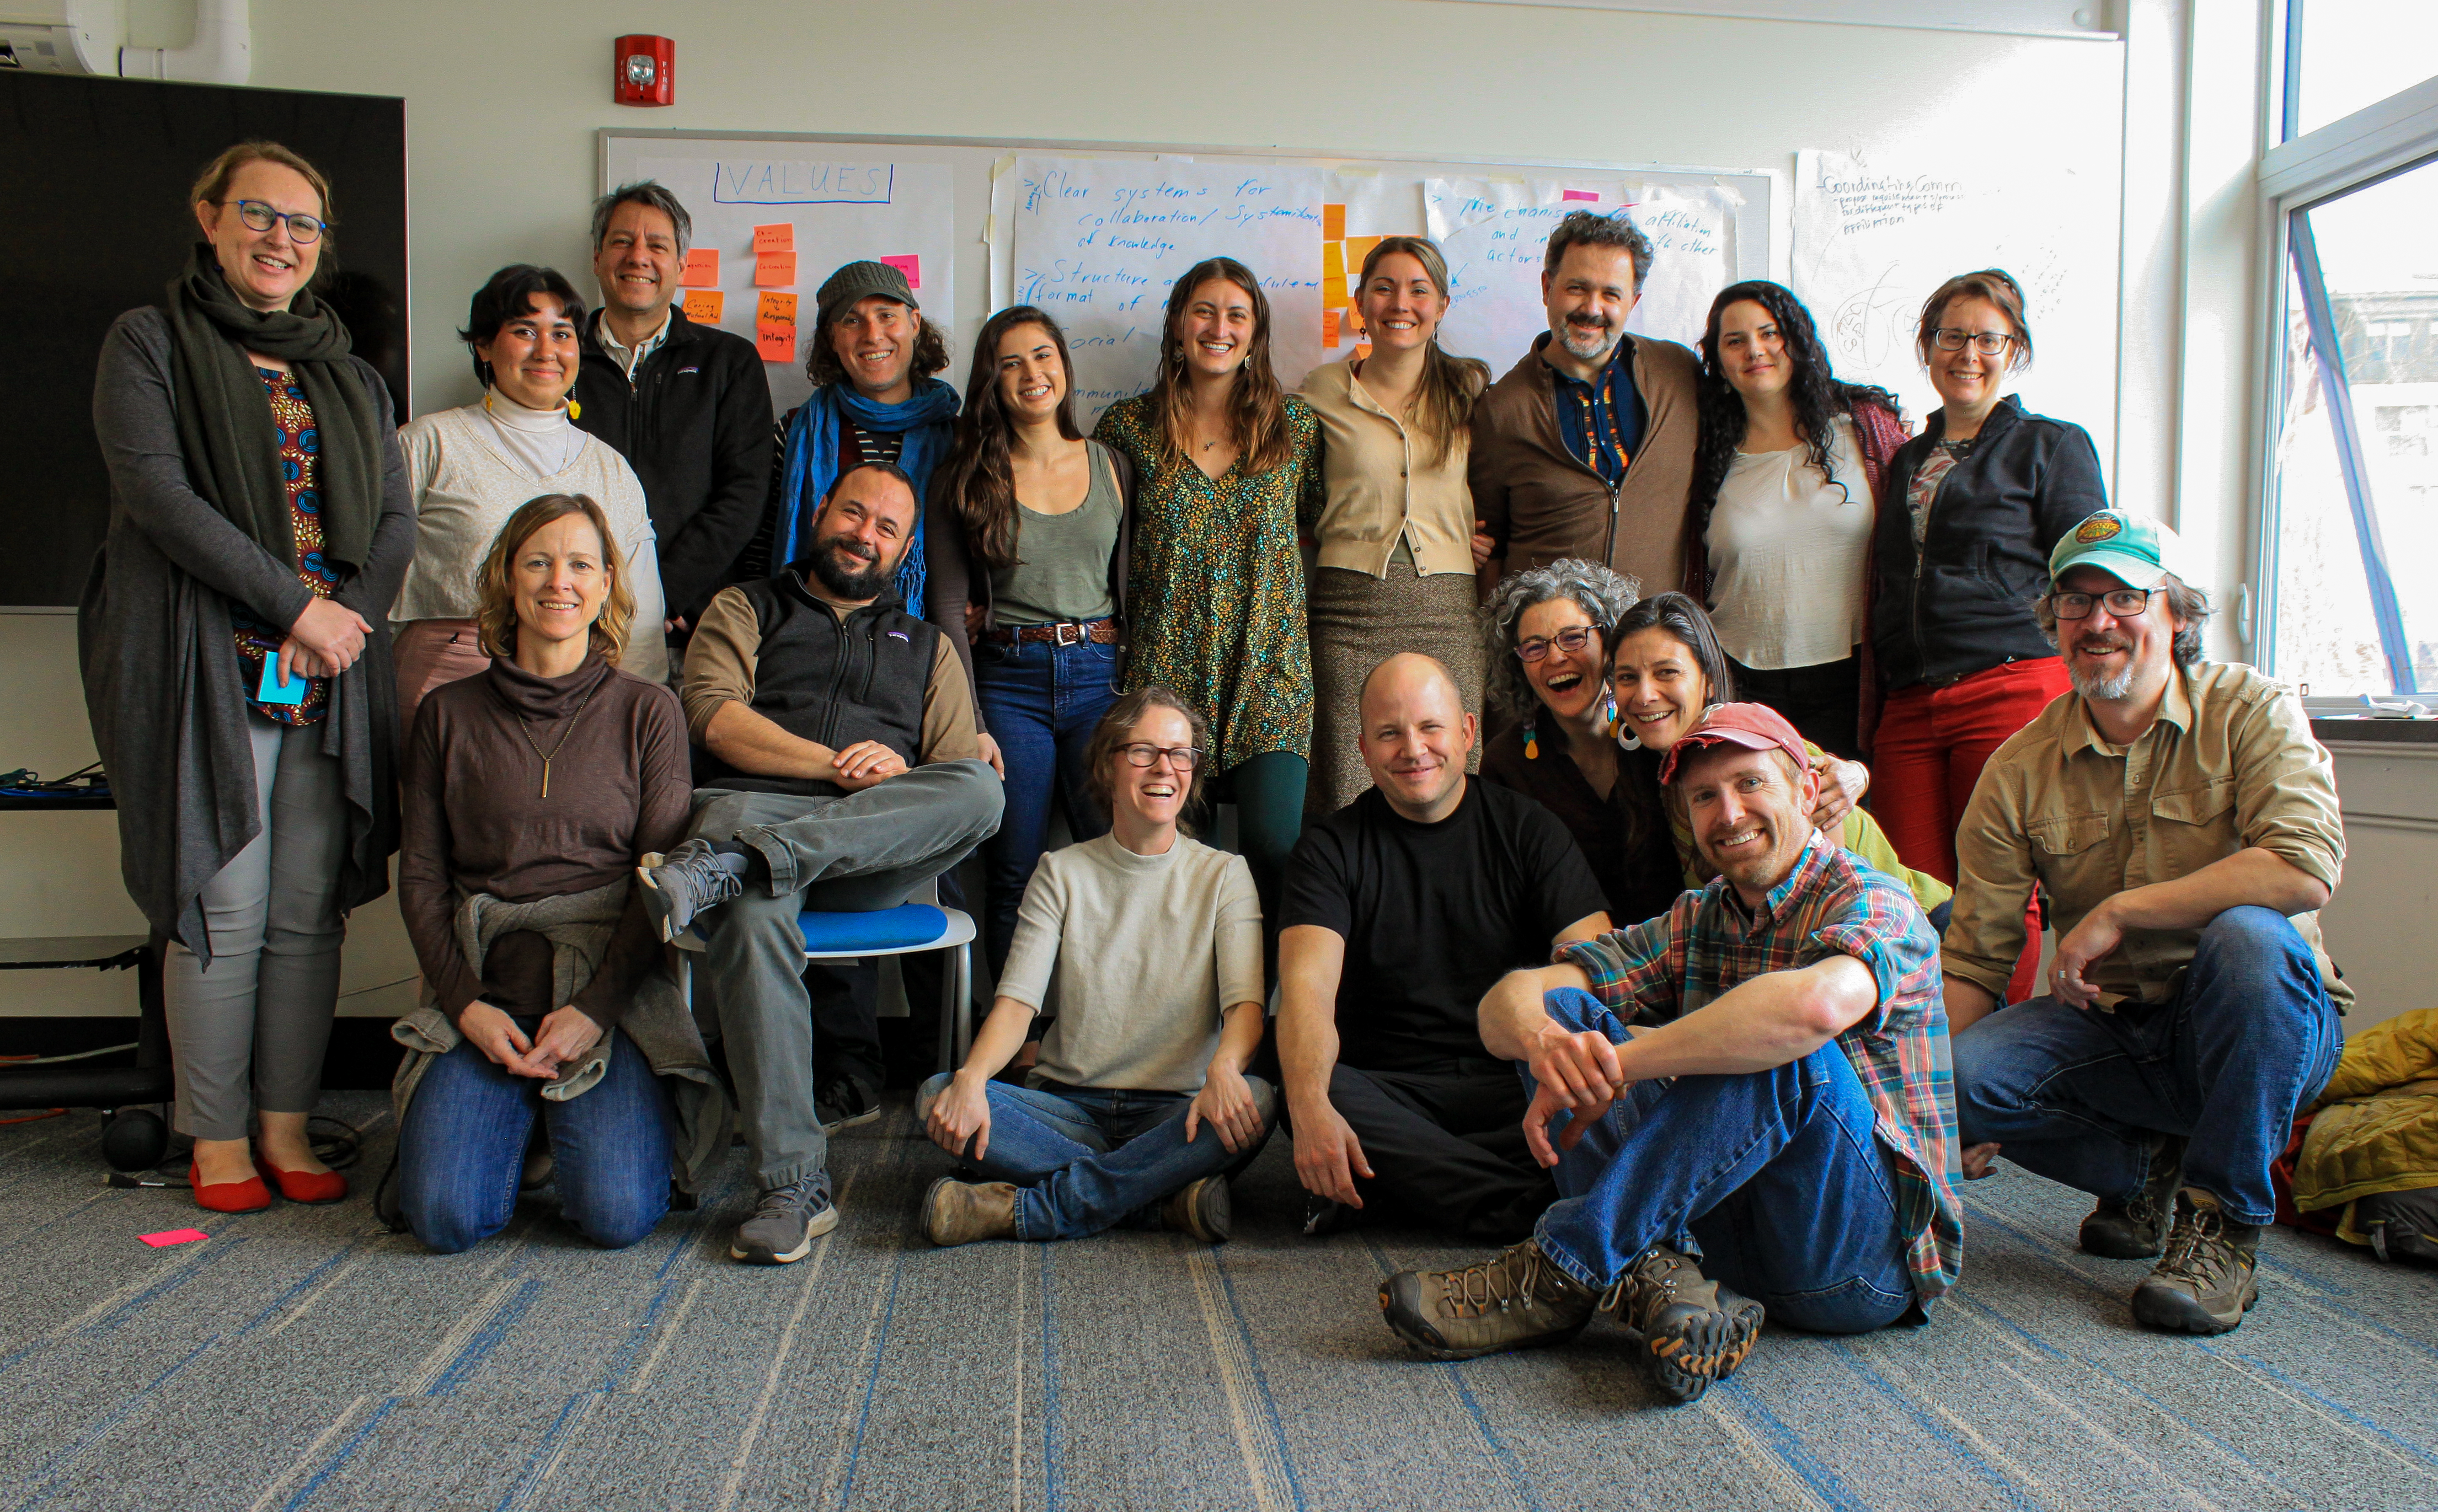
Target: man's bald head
x=1415 y=735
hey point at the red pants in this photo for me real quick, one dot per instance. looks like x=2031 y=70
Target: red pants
x=1930 y=749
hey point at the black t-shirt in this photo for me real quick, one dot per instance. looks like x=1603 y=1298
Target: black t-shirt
x=1433 y=914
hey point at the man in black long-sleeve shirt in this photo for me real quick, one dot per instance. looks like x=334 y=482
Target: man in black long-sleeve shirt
x=688 y=406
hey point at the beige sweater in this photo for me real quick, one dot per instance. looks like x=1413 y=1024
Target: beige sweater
x=465 y=485
x=1147 y=952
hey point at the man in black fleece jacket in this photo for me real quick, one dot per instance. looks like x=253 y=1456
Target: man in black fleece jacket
x=688 y=406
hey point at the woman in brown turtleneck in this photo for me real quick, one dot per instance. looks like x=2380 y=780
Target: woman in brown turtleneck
x=535 y=785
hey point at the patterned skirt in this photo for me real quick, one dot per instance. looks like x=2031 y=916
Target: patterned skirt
x=1358 y=621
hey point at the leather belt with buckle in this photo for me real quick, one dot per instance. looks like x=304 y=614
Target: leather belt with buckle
x=1067 y=632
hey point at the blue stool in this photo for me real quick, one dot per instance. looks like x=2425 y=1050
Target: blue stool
x=905 y=930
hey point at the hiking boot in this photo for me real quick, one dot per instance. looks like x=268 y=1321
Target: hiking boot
x=2138 y=1229
x=2204 y=1283
x=1515 y=1301
x=1696 y=1331
x=956 y=1212
x=786 y=1223
x=842 y=1104
x=1202 y=1208
x=683 y=885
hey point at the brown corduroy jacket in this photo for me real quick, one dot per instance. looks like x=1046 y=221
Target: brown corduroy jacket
x=1540 y=504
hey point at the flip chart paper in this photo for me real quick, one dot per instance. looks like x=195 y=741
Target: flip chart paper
x=1098 y=242
x=701 y=268
x=1494 y=233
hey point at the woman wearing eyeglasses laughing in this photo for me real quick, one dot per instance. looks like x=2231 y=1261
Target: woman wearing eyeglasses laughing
x=1985 y=490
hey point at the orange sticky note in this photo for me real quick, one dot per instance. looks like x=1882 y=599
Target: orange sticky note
x=776 y=310
x=910 y=265
x=1329 y=323
x=777 y=340
x=1333 y=222
x=701 y=268
x=1332 y=289
x=703 y=305
x=781 y=237
x=1358 y=248
x=774 y=269
x=1332 y=259
x=1579 y=194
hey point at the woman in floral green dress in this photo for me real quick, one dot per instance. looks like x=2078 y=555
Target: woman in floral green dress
x=1223 y=459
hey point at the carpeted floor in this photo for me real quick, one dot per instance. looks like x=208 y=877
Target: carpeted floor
x=303 y=1358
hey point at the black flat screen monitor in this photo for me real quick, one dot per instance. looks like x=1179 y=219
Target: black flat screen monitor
x=95 y=173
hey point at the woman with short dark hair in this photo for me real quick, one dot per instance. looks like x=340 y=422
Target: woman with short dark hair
x=1976 y=501
x=531 y=789
x=236 y=659
x=472 y=467
x=1787 y=484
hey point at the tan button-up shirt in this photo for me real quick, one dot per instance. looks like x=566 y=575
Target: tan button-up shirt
x=1382 y=483
x=2229 y=765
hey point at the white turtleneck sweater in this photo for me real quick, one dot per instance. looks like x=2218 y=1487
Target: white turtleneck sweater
x=470 y=470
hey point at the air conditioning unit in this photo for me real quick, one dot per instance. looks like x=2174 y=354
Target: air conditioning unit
x=62 y=36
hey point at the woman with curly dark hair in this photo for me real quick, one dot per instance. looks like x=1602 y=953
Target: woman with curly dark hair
x=1786 y=480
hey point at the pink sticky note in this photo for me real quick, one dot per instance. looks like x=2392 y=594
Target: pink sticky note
x=1579 y=194
x=173 y=1236
x=911 y=266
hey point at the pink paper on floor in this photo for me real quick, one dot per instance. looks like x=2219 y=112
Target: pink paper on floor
x=173 y=1236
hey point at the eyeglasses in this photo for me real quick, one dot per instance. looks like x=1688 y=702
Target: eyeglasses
x=1951 y=339
x=1570 y=640
x=1143 y=754
x=2124 y=603
x=302 y=229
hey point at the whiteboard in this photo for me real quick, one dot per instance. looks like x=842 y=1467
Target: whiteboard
x=1005 y=241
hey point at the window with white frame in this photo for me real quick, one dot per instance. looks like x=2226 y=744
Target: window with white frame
x=2348 y=571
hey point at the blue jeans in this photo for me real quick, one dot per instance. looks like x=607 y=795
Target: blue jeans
x=461 y=1152
x=1040 y=702
x=1089 y=1158
x=1773 y=1179
x=2246 y=1043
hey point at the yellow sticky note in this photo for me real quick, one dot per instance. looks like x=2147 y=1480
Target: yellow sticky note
x=774 y=269
x=776 y=310
x=776 y=339
x=701 y=268
x=1333 y=222
x=781 y=237
x=1332 y=259
x=1332 y=289
x=1329 y=323
x=703 y=305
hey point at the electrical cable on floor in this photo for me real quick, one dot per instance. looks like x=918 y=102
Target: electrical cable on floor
x=336 y=1143
x=73 y=1055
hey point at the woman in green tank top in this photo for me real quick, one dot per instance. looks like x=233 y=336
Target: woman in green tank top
x=1026 y=543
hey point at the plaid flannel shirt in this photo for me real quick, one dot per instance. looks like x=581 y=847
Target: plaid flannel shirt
x=1832 y=905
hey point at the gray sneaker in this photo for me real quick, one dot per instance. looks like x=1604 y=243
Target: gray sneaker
x=786 y=1223
x=683 y=885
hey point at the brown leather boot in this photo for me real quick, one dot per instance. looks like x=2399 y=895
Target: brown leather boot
x=1516 y=1301
x=1696 y=1331
x=956 y=1212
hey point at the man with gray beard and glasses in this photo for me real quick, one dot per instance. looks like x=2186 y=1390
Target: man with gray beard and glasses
x=2183 y=823
x=1585 y=447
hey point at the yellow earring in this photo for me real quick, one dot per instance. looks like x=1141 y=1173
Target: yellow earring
x=573 y=408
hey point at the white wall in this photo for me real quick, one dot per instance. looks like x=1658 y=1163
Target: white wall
x=502 y=103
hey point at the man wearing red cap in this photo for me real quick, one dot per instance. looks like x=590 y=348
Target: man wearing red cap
x=1753 y=1085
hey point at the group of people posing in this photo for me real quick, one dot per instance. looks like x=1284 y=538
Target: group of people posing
x=1652 y=772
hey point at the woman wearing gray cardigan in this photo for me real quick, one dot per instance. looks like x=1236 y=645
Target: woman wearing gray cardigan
x=236 y=659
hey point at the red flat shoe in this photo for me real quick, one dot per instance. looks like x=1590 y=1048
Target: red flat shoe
x=315 y=1189
x=247 y=1196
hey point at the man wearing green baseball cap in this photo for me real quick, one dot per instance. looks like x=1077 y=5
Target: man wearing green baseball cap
x=2183 y=823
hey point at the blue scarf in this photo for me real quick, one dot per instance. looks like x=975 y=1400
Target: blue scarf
x=812 y=463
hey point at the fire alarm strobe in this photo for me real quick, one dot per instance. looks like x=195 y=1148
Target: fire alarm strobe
x=647 y=71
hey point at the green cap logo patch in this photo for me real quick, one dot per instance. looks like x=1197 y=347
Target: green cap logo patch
x=2098 y=528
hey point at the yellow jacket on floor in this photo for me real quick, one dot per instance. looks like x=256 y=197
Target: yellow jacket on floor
x=2377 y=1125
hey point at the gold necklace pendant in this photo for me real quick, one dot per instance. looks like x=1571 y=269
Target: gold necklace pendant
x=561 y=744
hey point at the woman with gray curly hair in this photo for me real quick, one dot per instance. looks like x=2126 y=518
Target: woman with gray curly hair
x=1546 y=646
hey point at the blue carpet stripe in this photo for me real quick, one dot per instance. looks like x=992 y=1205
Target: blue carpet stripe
x=1825 y=1482
x=487 y=1339
x=1517 y=1480
x=1983 y=1310
x=110 y=1419
x=346 y=1451
x=293 y=1293
x=211 y=1257
x=1261 y=1377
x=1938 y=1430
x=1052 y=1490
x=530 y=1474
x=2401 y=1446
x=872 y=1378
